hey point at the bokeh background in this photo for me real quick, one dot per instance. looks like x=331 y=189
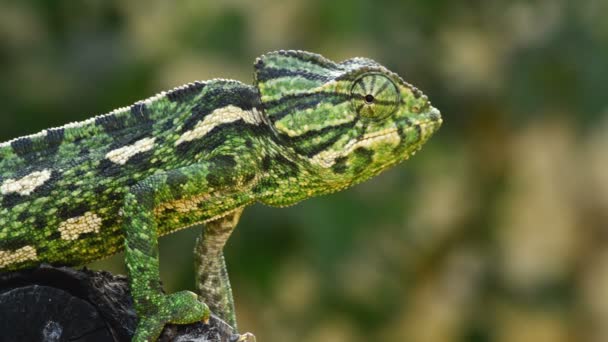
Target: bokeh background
x=496 y=231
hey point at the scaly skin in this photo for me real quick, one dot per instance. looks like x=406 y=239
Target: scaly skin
x=200 y=154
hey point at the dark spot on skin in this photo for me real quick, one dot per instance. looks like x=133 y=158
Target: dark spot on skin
x=287 y=167
x=340 y=165
x=111 y=220
x=53 y=139
x=140 y=161
x=262 y=185
x=175 y=179
x=40 y=222
x=203 y=278
x=41 y=250
x=187 y=220
x=215 y=280
x=402 y=131
x=22 y=147
x=107 y=168
x=365 y=156
x=11 y=200
x=165 y=219
x=68 y=211
x=12 y=244
x=168 y=125
x=248 y=178
x=55 y=136
x=130 y=182
x=85 y=236
x=154 y=284
x=266 y=163
x=221 y=170
x=186 y=149
x=110 y=123
x=140 y=112
x=217 y=297
x=99 y=190
x=78 y=142
x=113 y=196
x=214 y=180
x=23 y=216
x=418 y=131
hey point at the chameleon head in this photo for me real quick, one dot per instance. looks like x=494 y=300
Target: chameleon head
x=350 y=120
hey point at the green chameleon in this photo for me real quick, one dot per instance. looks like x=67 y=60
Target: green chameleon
x=200 y=153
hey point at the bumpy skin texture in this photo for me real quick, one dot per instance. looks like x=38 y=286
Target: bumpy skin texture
x=201 y=153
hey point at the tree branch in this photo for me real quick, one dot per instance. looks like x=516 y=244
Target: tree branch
x=60 y=304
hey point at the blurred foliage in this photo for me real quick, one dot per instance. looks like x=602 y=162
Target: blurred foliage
x=496 y=231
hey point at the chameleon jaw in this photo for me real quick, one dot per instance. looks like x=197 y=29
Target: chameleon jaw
x=327 y=159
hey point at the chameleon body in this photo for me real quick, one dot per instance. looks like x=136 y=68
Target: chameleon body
x=200 y=153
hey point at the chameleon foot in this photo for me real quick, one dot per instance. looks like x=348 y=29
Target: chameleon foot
x=180 y=308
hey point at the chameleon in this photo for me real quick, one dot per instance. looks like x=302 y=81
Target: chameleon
x=199 y=154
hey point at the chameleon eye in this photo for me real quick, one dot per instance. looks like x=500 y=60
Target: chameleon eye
x=374 y=96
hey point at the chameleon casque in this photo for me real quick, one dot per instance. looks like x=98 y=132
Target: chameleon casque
x=200 y=153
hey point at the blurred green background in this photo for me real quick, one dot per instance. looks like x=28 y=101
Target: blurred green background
x=496 y=231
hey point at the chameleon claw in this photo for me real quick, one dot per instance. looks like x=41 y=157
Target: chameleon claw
x=246 y=337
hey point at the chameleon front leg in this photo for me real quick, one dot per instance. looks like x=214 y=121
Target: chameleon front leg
x=154 y=308
x=213 y=284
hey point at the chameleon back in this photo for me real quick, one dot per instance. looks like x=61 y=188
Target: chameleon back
x=61 y=189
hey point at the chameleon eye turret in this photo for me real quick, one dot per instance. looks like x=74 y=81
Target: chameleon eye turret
x=374 y=96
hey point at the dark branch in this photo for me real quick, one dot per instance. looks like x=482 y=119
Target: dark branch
x=62 y=304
